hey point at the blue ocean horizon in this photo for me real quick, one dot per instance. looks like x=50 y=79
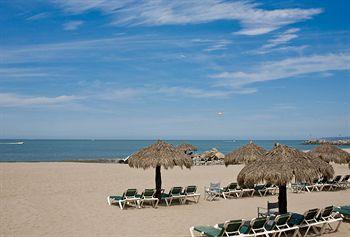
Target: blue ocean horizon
x=37 y=150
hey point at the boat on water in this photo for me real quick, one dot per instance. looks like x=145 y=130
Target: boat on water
x=11 y=143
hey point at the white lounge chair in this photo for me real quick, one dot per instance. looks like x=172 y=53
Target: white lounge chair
x=190 y=193
x=129 y=197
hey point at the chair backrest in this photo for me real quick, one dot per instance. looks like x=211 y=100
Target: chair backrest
x=337 y=178
x=214 y=186
x=295 y=219
x=149 y=192
x=282 y=219
x=232 y=186
x=258 y=223
x=233 y=226
x=190 y=189
x=323 y=180
x=272 y=206
x=131 y=192
x=345 y=178
x=175 y=191
x=326 y=212
x=311 y=214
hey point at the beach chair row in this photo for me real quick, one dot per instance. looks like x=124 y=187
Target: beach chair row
x=176 y=194
x=323 y=184
x=234 y=191
x=313 y=221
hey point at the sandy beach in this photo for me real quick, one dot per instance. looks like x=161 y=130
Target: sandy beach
x=69 y=199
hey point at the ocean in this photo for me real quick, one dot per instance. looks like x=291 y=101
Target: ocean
x=61 y=150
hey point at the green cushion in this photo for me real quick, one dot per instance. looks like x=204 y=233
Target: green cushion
x=209 y=231
x=164 y=195
x=117 y=198
x=345 y=210
x=244 y=229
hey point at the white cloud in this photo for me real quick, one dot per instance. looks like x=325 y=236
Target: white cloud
x=14 y=100
x=72 y=25
x=285 y=69
x=297 y=49
x=39 y=16
x=219 y=45
x=21 y=72
x=253 y=20
x=192 y=92
x=282 y=38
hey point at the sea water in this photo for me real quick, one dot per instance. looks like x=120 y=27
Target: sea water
x=60 y=150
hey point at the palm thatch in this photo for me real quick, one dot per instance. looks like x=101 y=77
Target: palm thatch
x=159 y=154
x=281 y=165
x=330 y=153
x=245 y=154
x=185 y=147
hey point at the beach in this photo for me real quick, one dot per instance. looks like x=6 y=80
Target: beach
x=69 y=199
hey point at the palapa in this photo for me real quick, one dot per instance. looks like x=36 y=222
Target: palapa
x=245 y=154
x=280 y=166
x=330 y=153
x=187 y=148
x=157 y=155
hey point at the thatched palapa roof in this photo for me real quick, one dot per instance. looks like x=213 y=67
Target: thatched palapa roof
x=159 y=154
x=245 y=154
x=330 y=153
x=187 y=147
x=281 y=165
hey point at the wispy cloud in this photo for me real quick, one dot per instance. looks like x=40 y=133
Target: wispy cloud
x=285 y=69
x=21 y=72
x=218 y=45
x=282 y=38
x=253 y=20
x=15 y=100
x=39 y=16
x=72 y=25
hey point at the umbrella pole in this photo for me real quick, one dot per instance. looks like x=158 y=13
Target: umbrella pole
x=282 y=199
x=158 y=182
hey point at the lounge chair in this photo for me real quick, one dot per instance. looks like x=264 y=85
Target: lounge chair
x=272 y=209
x=258 y=226
x=344 y=211
x=314 y=186
x=175 y=193
x=128 y=197
x=281 y=225
x=212 y=192
x=335 y=183
x=247 y=190
x=190 y=193
x=344 y=183
x=229 y=228
x=298 y=187
x=264 y=189
x=148 y=196
x=328 y=216
x=231 y=190
x=310 y=221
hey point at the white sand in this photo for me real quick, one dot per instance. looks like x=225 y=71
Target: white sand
x=69 y=199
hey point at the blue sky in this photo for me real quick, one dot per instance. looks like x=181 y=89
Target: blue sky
x=208 y=69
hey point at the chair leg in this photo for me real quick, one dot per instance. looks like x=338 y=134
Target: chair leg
x=191 y=231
